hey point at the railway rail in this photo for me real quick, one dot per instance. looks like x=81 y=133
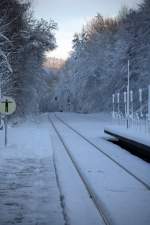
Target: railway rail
x=145 y=184
x=92 y=195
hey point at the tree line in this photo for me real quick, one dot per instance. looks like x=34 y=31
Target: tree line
x=97 y=66
x=23 y=42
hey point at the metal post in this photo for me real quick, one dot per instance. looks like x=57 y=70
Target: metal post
x=6 y=132
x=125 y=103
x=0 y=113
x=131 y=100
x=128 y=95
x=125 y=106
x=113 y=102
x=149 y=102
x=149 y=108
x=118 y=102
x=140 y=100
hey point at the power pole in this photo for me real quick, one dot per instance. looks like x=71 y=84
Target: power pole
x=149 y=108
x=113 y=103
x=128 y=96
x=125 y=104
x=0 y=100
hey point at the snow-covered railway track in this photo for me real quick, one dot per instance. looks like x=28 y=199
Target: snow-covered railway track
x=96 y=202
x=116 y=194
x=145 y=184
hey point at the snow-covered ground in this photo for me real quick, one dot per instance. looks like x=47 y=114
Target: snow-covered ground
x=123 y=196
x=78 y=205
x=92 y=126
x=28 y=190
x=31 y=193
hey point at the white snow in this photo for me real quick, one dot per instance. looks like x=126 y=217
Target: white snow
x=92 y=126
x=79 y=207
x=28 y=188
x=134 y=164
x=124 y=199
x=29 y=194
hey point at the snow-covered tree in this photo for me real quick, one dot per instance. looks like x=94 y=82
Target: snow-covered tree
x=24 y=41
x=97 y=67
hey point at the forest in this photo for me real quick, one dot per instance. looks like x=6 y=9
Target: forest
x=98 y=64
x=96 y=68
x=23 y=42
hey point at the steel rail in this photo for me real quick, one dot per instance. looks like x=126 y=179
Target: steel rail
x=106 y=219
x=147 y=186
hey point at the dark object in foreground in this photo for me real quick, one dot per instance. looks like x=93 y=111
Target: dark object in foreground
x=139 y=149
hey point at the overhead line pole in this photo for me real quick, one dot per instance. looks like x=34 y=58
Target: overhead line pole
x=149 y=108
x=128 y=96
x=0 y=101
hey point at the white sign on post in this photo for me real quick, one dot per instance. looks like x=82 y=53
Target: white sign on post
x=7 y=107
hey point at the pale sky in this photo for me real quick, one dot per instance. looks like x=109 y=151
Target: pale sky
x=71 y=15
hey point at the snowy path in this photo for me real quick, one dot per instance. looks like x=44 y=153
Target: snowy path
x=95 y=133
x=79 y=207
x=128 y=196
x=28 y=188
